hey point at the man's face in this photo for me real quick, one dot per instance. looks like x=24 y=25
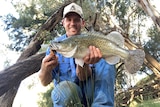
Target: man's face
x=72 y=24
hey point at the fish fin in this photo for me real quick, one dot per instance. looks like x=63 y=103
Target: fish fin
x=112 y=60
x=70 y=53
x=134 y=61
x=116 y=37
x=80 y=62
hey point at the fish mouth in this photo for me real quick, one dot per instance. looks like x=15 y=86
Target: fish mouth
x=57 y=48
x=54 y=47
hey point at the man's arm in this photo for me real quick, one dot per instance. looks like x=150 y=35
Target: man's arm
x=49 y=62
x=93 y=57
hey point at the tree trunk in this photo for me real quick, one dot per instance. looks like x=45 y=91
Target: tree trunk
x=12 y=77
x=150 y=10
x=8 y=96
x=14 y=74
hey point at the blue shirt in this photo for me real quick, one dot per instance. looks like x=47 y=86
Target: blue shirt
x=66 y=70
x=104 y=77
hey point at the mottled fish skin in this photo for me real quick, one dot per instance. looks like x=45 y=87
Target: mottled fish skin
x=77 y=47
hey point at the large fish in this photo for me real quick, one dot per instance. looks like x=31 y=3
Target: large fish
x=111 y=47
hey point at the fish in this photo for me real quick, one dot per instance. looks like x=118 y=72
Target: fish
x=110 y=45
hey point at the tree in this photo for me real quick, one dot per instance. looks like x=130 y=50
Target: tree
x=101 y=16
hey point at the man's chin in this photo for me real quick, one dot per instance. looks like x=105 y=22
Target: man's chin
x=74 y=33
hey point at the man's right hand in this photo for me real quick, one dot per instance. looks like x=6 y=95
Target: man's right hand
x=49 y=62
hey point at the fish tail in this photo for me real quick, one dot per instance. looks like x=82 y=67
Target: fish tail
x=134 y=61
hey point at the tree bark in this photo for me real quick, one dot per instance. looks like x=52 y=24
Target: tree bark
x=150 y=10
x=14 y=74
x=10 y=79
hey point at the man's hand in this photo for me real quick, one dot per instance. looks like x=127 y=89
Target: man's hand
x=49 y=62
x=94 y=55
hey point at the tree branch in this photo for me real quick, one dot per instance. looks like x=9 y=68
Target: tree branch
x=13 y=75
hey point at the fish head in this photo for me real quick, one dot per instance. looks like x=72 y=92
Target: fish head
x=65 y=47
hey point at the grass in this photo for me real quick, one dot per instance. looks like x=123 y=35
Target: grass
x=150 y=103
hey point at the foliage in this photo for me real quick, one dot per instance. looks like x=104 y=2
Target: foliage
x=15 y=33
x=32 y=14
x=45 y=98
x=149 y=103
x=153 y=45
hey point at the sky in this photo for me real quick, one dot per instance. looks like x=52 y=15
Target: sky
x=5 y=8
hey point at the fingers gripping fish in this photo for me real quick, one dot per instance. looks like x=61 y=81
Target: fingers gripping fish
x=111 y=47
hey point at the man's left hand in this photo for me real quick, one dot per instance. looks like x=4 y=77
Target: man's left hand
x=94 y=55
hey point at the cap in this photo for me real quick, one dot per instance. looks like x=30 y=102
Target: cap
x=73 y=7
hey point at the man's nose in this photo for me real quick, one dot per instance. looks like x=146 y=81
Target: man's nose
x=73 y=22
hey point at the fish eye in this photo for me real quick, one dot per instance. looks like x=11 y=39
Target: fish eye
x=75 y=41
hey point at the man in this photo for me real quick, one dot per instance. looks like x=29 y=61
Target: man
x=89 y=86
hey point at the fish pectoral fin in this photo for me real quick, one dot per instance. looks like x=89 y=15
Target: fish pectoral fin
x=112 y=59
x=80 y=62
x=69 y=53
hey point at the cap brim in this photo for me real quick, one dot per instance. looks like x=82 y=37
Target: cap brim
x=71 y=12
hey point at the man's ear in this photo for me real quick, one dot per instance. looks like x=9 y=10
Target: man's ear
x=83 y=23
x=62 y=22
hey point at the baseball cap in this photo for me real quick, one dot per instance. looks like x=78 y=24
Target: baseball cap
x=73 y=7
